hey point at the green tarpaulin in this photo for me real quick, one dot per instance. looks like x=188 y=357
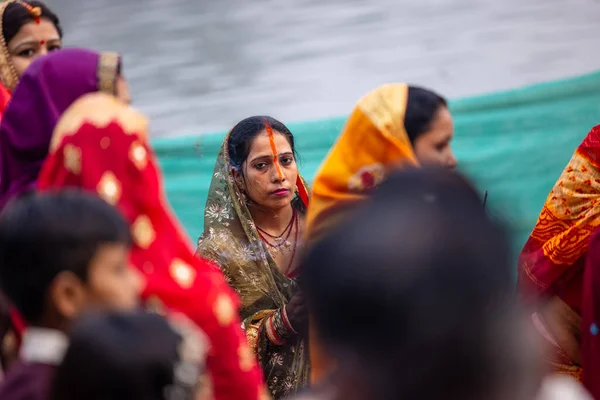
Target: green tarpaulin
x=513 y=144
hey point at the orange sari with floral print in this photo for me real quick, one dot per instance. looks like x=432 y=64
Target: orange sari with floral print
x=552 y=260
x=100 y=145
x=373 y=143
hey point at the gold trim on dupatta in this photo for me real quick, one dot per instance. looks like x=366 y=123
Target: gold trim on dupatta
x=231 y=239
x=8 y=72
x=108 y=69
x=385 y=108
x=99 y=109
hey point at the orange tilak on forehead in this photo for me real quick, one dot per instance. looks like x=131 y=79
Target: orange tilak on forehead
x=273 y=148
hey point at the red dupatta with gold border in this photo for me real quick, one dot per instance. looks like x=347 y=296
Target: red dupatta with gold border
x=100 y=145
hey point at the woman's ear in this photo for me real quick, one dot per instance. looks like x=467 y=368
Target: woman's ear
x=238 y=179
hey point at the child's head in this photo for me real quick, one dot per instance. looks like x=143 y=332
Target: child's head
x=61 y=253
x=130 y=356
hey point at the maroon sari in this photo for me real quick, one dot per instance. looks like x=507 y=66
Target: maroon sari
x=590 y=326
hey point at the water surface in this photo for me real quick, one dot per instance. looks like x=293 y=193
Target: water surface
x=201 y=65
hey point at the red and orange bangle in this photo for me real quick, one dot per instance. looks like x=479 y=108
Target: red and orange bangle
x=286 y=321
x=271 y=331
x=278 y=327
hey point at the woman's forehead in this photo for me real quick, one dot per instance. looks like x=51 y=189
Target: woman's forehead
x=261 y=145
x=35 y=32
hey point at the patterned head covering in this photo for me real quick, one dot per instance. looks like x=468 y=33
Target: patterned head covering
x=50 y=85
x=232 y=241
x=8 y=73
x=373 y=142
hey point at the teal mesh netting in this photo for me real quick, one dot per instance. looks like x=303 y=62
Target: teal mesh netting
x=513 y=144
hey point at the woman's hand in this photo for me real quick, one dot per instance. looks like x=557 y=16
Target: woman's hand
x=565 y=326
x=297 y=313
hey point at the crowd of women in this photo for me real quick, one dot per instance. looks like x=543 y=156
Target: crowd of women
x=384 y=280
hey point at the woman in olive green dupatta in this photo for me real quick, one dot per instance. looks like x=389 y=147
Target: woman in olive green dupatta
x=254 y=222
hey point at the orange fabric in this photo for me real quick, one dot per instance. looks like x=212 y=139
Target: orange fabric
x=560 y=364
x=100 y=146
x=552 y=260
x=373 y=142
x=560 y=238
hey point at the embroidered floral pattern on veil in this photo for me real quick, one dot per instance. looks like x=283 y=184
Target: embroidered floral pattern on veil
x=231 y=240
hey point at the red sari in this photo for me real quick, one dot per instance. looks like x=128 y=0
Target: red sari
x=552 y=261
x=101 y=146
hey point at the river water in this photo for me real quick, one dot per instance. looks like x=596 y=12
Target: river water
x=201 y=65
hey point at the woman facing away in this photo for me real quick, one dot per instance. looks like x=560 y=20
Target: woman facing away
x=29 y=30
x=393 y=127
x=45 y=91
x=414 y=297
x=551 y=264
x=254 y=222
x=101 y=146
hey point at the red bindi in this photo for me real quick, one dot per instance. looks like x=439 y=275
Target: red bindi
x=42 y=42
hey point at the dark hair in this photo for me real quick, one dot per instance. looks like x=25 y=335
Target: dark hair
x=45 y=234
x=244 y=132
x=119 y=357
x=16 y=15
x=418 y=281
x=421 y=108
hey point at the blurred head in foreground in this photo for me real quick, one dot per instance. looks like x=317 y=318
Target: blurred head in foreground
x=62 y=254
x=133 y=356
x=415 y=297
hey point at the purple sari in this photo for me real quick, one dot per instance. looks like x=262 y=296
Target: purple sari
x=48 y=87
